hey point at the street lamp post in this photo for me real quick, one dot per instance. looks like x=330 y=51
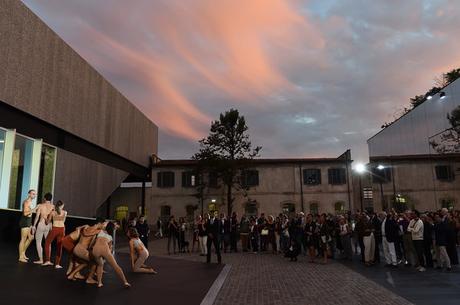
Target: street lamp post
x=360 y=169
x=381 y=168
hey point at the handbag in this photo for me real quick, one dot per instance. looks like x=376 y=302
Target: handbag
x=264 y=232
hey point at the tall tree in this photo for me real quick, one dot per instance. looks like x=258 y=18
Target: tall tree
x=227 y=151
x=448 y=141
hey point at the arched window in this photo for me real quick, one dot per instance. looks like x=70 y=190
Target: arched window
x=448 y=203
x=314 y=208
x=190 y=210
x=339 y=207
x=165 y=212
x=250 y=209
x=289 y=209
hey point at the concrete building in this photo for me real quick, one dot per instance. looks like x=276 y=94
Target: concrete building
x=405 y=169
x=63 y=128
x=275 y=186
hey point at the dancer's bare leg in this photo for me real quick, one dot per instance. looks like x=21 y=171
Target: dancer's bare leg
x=112 y=262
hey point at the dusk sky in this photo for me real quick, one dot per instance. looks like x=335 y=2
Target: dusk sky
x=312 y=78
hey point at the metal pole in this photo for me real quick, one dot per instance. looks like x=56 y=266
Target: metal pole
x=201 y=194
x=381 y=193
x=301 y=188
x=394 y=183
x=143 y=197
x=347 y=154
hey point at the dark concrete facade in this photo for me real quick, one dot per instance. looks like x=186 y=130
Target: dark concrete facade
x=43 y=76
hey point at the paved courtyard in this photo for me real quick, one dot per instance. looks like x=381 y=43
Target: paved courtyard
x=258 y=279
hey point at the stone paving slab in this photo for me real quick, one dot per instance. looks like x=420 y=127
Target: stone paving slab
x=267 y=279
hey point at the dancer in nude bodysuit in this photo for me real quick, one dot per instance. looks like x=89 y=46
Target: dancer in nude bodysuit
x=138 y=253
x=102 y=252
x=42 y=229
x=25 y=223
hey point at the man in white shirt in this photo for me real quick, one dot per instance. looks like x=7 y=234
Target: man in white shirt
x=416 y=229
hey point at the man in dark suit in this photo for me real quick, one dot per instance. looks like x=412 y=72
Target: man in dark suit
x=213 y=227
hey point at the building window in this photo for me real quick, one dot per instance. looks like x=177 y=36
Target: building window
x=47 y=169
x=444 y=173
x=21 y=171
x=190 y=212
x=250 y=178
x=314 y=208
x=165 y=179
x=367 y=193
x=381 y=175
x=448 y=203
x=189 y=179
x=213 y=179
x=289 y=209
x=312 y=176
x=339 y=207
x=251 y=209
x=337 y=176
x=165 y=212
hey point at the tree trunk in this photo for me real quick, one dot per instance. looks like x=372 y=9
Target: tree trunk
x=229 y=200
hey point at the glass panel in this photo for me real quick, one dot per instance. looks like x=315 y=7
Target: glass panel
x=47 y=164
x=20 y=171
x=2 y=146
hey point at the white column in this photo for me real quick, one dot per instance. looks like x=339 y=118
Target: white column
x=8 y=150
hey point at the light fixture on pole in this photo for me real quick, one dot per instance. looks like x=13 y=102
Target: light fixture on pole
x=360 y=168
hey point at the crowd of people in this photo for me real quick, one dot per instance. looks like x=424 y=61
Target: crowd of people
x=88 y=246
x=409 y=238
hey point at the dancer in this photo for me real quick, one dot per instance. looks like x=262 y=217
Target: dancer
x=25 y=223
x=43 y=228
x=57 y=217
x=68 y=244
x=102 y=251
x=81 y=250
x=138 y=253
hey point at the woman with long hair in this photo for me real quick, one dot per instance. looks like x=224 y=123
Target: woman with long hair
x=57 y=217
x=138 y=253
x=172 y=233
x=311 y=238
x=102 y=252
x=322 y=232
x=271 y=237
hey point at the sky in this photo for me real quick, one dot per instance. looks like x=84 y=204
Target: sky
x=313 y=78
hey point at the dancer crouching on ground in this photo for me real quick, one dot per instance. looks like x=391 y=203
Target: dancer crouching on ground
x=102 y=251
x=139 y=253
x=81 y=250
x=58 y=217
x=25 y=223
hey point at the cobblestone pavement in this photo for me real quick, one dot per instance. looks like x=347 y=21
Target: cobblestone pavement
x=257 y=279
